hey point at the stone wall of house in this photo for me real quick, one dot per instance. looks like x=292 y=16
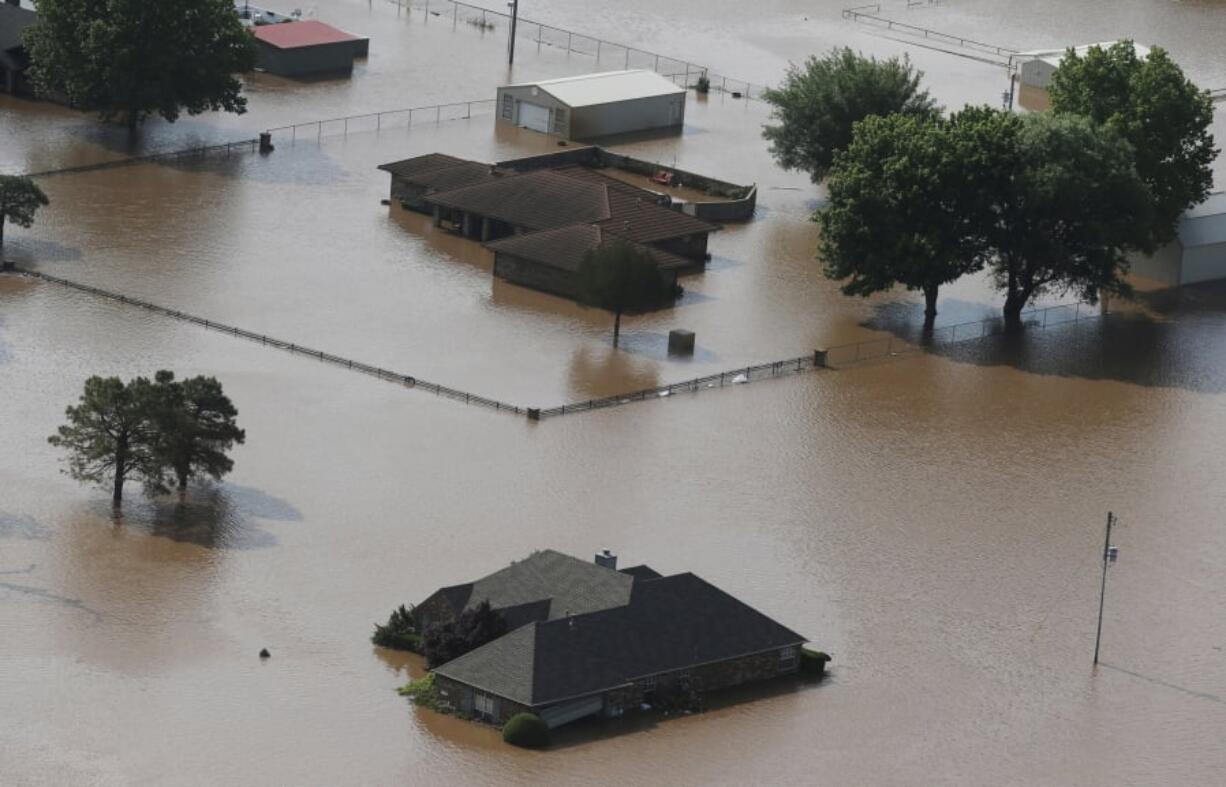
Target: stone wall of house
x=460 y=696
x=760 y=666
x=692 y=247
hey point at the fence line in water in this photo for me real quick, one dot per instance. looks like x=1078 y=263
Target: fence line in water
x=830 y=358
x=407 y=381
x=242 y=146
x=603 y=50
x=870 y=15
x=386 y=119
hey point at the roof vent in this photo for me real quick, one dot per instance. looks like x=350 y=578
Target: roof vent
x=607 y=559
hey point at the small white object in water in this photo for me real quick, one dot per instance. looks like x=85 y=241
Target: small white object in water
x=663 y=394
x=740 y=378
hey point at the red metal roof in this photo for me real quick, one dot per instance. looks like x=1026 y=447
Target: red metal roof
x=291 y=35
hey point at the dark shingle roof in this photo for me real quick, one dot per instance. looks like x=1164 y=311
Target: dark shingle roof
x=642 y=572
x=439 y=172
x=13 y=20
x=536 y=200
x=565 y=247
x=644 y=221
x=669 y=624
x=567 y=583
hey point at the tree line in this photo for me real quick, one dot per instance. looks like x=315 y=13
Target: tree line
x=1046 y=203
x=161 y=432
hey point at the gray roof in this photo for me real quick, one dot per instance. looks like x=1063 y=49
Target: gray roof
x=566 y=247
x=567 y=584
x=13 y=21
x=670 y=623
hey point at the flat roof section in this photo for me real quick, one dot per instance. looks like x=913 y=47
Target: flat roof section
x=293 y=35
x=606 y=88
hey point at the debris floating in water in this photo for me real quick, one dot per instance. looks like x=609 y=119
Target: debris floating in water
x=264 y=654
x=740 y=378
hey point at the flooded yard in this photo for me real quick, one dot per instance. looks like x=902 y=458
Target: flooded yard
x=934 y=521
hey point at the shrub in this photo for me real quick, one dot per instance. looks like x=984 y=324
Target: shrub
x=400 y=632
x=423 y=693
x=526 y=730
x=450 y=640
x=813 y=662
x=703 y=85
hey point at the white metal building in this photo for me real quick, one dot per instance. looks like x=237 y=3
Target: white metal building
x=1038 y=66
x=594 y=105
x=1198 y=252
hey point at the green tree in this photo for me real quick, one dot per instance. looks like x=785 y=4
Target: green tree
x=400 y=632
x=20 y=198
x=1158 y=110
x=109 y=436
x=453 y=638
x=619 y=277
x=196 y=427
x=130 y=59
x=1074 y=205
x=910 y=201
x=819 y=103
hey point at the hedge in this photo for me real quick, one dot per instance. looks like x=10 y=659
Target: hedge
x=813 y=662
x=527 y=730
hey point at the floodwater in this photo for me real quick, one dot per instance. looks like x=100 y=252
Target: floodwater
x=934 y=521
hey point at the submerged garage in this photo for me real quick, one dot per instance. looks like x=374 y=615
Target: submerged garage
x=594 y=105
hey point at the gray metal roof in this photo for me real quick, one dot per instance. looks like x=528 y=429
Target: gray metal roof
x=606 y=88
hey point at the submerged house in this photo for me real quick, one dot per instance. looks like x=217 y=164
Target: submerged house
x=541 y=221
x=13 y=58
x=587 y=639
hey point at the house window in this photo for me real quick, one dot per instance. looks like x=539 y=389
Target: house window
x=787 y=658
x=484 y=705
x=508 y=106
x=648 y=683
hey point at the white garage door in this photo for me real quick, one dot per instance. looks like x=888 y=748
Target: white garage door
x=534 y=116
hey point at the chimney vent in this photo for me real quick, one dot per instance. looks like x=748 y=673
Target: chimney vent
x=607 y=559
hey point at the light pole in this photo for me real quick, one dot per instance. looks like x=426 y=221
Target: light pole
x=514 y=4
x=1110 y=555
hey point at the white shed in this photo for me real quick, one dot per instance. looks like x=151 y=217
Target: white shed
x=1198 y=252
x=1038 y=66
x=594 y=105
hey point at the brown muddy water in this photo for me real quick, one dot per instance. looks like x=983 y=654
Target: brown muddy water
x=934 y=521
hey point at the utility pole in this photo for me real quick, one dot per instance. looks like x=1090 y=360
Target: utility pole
x=511 y=44
x=1110 y=554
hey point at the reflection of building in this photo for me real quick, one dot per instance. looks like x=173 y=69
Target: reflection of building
x=310 y=47
x=13 y=58
x=1198 y=252
x=594 y=105
x=1038 y=66
x=585 y=639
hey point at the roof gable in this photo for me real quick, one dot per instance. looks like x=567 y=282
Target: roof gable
x=606 y=87
x=292 y=35
x=537 y=200
x=566 y=247
x=671 y=623
x=571 y=585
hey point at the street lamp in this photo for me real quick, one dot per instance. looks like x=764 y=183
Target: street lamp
x=514 y=6
x=1110 y=555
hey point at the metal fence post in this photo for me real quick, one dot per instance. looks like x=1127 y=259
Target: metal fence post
x=568 y=36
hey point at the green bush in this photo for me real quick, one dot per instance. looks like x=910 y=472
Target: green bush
x=813 y=662
x=423 y=692
x=526 y=730
x=703 y=85
x=400 y=632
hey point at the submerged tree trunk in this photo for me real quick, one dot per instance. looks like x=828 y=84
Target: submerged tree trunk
x=617 y=326
x=121 y=470
x=930 y=307
x=1014 y=302
x=2 y=218
x=182 y=473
